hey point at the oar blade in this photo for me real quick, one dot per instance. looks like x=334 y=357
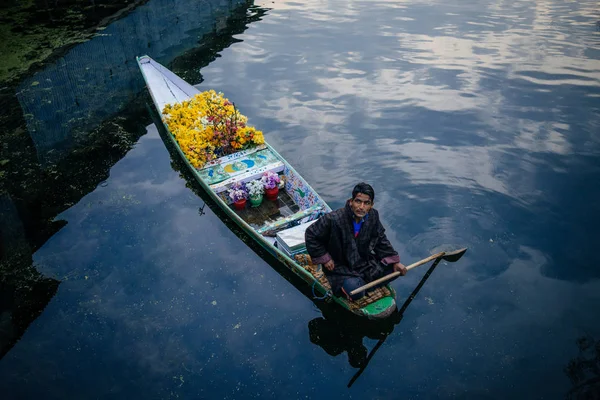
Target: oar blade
x=455 y=255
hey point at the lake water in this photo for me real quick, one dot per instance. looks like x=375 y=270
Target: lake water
x=477 y=123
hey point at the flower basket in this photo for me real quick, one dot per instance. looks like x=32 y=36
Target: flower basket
x=270 y=181
x=256 y=200
x=256 y=190
x=271 y=194
x=240 y=204
x=238 y=193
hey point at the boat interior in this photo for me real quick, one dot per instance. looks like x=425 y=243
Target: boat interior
x=296 y=202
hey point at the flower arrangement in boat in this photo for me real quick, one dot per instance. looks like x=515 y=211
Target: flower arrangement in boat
x=255 y=188
x=209 y=126
x=238 y=191
x=270 y=180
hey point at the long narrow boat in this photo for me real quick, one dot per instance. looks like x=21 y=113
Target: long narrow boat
x=296 y=206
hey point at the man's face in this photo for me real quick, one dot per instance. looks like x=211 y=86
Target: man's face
x=361 y=205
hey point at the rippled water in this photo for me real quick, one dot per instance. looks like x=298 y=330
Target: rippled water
x=478 y=124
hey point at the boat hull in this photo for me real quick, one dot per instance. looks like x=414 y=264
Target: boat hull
x=174 y=89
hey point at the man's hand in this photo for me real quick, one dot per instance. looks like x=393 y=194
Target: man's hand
x=400 y=268
x=329 y=265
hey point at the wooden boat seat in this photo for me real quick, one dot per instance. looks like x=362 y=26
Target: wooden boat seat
x=301 y=216
x=316 y=270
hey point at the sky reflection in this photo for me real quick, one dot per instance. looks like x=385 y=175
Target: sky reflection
x=161 y=286
x=470 y=119
x=476 y=122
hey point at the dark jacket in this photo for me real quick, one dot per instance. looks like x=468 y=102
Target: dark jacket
x=366 y=256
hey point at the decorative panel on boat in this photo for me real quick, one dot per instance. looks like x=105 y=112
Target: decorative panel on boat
x=301 y=193
x=234 y=166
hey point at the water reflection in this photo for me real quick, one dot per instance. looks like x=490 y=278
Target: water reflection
x=477 y=122
x=584 y=370
x=336 y=331
x=34 y=193
x=337 y=334
x=22 y=300
x=99 y=78
x=335 y=340
x=24 y=292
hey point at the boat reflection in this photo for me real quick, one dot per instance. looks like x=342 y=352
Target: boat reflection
x=350 y=330
x=337 y=332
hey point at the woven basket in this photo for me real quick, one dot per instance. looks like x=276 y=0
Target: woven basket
x=316 y=271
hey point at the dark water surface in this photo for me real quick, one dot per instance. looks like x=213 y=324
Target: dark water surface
x=478 y=124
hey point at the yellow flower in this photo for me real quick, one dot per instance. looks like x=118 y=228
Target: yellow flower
x=205 y=123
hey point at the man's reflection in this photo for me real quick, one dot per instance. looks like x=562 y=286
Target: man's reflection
x=335 y=341
x=338 y=334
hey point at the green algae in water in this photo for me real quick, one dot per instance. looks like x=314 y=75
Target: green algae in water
x=37 y=29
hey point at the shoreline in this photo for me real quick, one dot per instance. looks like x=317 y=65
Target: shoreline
x=32 y=47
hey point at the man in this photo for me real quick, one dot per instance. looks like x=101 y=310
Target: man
x=351 y=244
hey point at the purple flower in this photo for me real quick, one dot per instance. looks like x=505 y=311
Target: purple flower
x=270 y=180
x=238 y=191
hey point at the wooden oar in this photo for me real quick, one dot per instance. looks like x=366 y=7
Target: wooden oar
x=400 y=314
x=450 y=257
